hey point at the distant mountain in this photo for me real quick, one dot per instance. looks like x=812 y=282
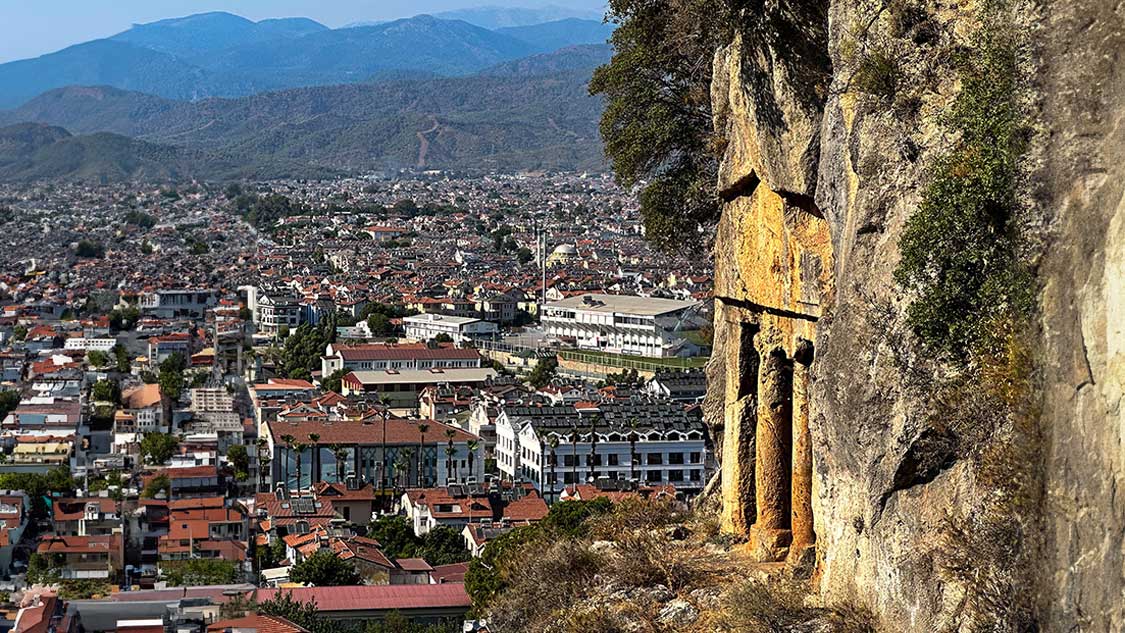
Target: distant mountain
x=204 y=33
x=422 y=43
x=38 y=152
x=19 y=141
x=532 y=114
x=551 y=36
x=491 y=17
x=219 y=54
x=102 y=62
x=30 y=151
x=570 y=59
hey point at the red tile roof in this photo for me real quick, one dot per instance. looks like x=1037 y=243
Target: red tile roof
x=413 y=564
x=376 y=597
x=449 y=573
x=259 y=623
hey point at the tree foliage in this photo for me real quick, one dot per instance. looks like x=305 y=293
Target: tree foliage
x=325 y=569
x=657 y=125
x=57 y=481
x=303 y=348
x=90 y=249
x=97 y=358
x=106 y=391
x=439 y=546
x=333 y=382
x=159 y=447
x=240 y=460
x=263 y=212
x=172 y=376
x=544 y=372
x=9 y=400
x=156 y=485
x=200 y=571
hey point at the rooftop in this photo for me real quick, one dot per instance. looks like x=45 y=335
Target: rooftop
x=377 y=597
x=622 y=304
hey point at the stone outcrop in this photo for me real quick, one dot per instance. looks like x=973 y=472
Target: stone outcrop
x=825 y=452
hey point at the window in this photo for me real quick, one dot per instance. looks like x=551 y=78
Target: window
x=613 y=457
x=695 y=458
x=652 y=476
x=568 y=460
x=697 y=475
x=675 y=475
x=675 y=458
x=655 y=458
x=568 y=478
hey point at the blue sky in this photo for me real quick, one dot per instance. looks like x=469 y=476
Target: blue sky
x=29 y=28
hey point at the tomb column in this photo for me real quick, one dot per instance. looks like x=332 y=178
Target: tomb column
x=802 y=517
x=739 y=429
x=770 y=535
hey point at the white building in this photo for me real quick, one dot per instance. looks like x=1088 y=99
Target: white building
x=90 y=344
x=177 y=303
x=653 y=443
x=383 y=356
x=426 y=327
x=622 y=324
x=274 y=310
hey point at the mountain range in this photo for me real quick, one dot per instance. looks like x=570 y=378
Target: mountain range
x=224 y=55
x=217 y=96
x=534 y=113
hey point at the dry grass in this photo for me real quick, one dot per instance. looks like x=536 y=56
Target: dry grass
x=547 y=583
x=756 y=607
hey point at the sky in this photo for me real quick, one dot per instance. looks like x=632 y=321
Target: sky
x=30 y=28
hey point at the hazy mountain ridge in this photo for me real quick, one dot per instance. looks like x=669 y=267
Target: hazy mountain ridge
x=492 y=17
x=531 y=114
x=220 y=54
x=194 y=35
x=551 y=36
x=31 y=151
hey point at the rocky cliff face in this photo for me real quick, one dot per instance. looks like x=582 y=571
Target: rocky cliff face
x=827 y=155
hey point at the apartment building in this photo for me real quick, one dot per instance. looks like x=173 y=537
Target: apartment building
x=622 y=324
x=651 y=442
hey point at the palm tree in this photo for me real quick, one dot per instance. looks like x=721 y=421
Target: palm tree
x=299 y=447
x=472 y=445
x=288 y=439
x=449 y=451
x=314 y=439
x=403 y=465
x=422 y=428
x=574 y=456
x=263 y=461
x=383 y=456
x=340 y=453
x=449 y=435
x=593 y=447
x=633 y=424
x=553 y=442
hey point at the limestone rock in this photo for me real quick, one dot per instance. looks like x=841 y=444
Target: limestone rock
x=768 y=93
x=677 y=613
x=811 y=165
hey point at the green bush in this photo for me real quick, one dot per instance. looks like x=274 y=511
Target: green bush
x=960 y=250
x=490 y=574
x=878 y=74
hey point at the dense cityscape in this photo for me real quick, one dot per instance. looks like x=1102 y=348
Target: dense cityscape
x=303 y=384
